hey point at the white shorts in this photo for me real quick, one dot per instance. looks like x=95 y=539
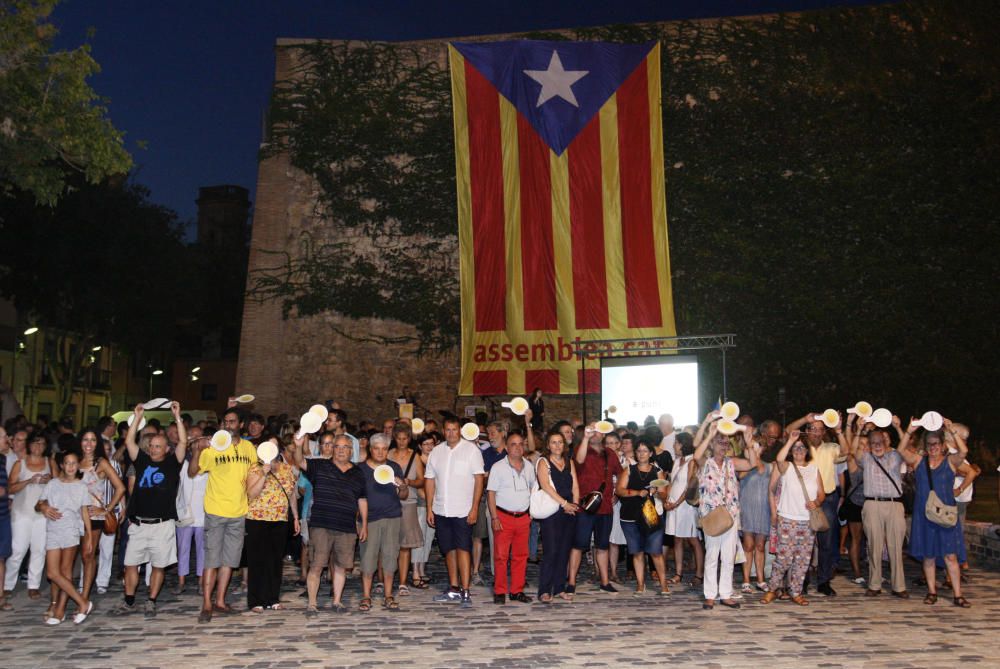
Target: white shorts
x=152 y=543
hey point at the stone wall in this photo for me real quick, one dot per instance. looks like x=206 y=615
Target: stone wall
x=983 y=544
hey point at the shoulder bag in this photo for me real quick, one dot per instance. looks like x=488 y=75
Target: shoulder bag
x=817 y=519
x=938 y=512
x=591 y=502
x=110 y=517
x=541 y=504
x=692 y=493
x=718 y=521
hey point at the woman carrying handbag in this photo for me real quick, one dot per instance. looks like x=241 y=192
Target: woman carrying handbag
x=798 y=517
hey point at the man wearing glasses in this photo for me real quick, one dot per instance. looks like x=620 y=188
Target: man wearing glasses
x=508 y=493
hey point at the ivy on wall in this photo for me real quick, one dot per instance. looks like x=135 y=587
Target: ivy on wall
x=832 y=189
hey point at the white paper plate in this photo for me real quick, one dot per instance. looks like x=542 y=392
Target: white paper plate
x=142 y=423
x=518 y=406
x=384 y=474
x=470 y=431
x=222 y=440
x=267 y=451
x=930 y=421
x=156 y=403
x=320 y=411
x=730 y=411
x=881 y=417
x=309 y=423
x=417 y=425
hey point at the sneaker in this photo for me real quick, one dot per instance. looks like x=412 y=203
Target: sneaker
x=466 y=599
x=860 y=580
x=825 y=590
x=150 y=609
x=477 y=579
x=123 y=609
x=448 y=597
x=609 y=589
x=101 y=590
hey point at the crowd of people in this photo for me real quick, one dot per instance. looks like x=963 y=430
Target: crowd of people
x=782 y=502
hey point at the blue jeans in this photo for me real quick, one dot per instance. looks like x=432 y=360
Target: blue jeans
x=829 y=541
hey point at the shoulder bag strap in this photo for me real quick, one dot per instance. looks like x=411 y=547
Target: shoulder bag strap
x=930 y=479
x=805 y=493
x=891 y=480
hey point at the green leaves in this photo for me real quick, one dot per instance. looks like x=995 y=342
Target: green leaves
x=52 y=124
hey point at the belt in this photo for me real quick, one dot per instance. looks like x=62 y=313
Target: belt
x=881 y=499
x=146 y=521
x=516 y=514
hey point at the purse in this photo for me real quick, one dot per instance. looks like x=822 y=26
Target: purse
x=718 y=521
x=692 y=493
x=817 y=519
x=110 y=517
x=939 y=513
x=591 y=502
x=541 y=504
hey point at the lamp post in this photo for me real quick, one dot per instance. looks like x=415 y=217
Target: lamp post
x=152 y=373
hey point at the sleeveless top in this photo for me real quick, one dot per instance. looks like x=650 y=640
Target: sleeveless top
x=24 y=501
x=96 y=487
x=407 y=472
x=637 y=480
x=562 y=481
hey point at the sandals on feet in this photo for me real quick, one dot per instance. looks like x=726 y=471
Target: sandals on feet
x=676 y=578
x=390 y=604
x=961 y=602
x=257 y=609
x=931 y=598
x=800 y=600
x=404 y=591
x=421 y=584
x=365 y=605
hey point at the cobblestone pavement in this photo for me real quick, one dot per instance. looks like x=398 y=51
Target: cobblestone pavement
x=596 y=630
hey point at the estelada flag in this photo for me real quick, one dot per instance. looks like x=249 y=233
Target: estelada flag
x=561 y=208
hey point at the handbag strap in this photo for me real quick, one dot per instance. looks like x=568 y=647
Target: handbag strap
x=891 y=480
x=802 y=482
x=930 y=479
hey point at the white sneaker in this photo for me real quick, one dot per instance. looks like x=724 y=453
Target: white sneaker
x=860 y=580
x=101 y=590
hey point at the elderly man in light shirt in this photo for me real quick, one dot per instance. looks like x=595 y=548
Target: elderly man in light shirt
x=508 y=494
x=453 y=484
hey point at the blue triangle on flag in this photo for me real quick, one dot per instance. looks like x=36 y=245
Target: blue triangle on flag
x=544 y=79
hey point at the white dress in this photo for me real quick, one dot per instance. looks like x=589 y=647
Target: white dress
x=617 y=535
x=680 y=521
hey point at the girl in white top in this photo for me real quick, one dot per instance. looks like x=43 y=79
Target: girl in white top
x=801 y=491
x=65 y=503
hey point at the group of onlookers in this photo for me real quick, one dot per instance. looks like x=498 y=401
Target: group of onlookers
x=788 y=499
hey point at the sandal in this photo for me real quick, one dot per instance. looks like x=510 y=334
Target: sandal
x=365 y=605
x=379 y=589
x=545 y=599
x=404 y=591
x=746 y=589
x=800 y=600
x=566 y=596
x=708 y=605
x=5 y=605
x=730 y=603
x=312 y=612
x=961 y=602
x=338 y=608
x=257 y=609
x=421 y=584
x=768 y=597
x=698 y=580
x=390 y=604
x=276 y=607
x=675 y=579
x=931 y=598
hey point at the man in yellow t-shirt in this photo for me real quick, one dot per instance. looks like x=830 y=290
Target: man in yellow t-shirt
x=225 y=510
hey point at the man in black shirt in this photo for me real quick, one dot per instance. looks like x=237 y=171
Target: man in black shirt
x=152 y=509
x=339 y=497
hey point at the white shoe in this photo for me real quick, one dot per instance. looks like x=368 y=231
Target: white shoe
x=54 y=620
x=101 y=590
x=80 y=617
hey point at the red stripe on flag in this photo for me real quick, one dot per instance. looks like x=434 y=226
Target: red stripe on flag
x=486 y=177
x=589 y=380
x=546 y=379
x=489 y=383
x=590 y=285
x=537 y=255
x=641 y=288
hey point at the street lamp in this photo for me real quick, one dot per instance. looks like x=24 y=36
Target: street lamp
x=195 y=370
x=152 y=373
x=30 y=331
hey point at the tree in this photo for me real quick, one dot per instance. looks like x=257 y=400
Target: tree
x=52 y=124
x=103 y=266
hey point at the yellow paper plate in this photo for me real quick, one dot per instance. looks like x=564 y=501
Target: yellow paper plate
x=518 y=406
x=730 y=411
x=728 y=427
x=862 y=408
x=222 y=440
x=245 y=399
x=470 y=431
x=604 y=426
x=384 y=474
x=417 y=425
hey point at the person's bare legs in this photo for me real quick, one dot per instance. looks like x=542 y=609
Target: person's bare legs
x=661 y=570
x=955 y=573
x=613 y=562
x=679 y=555
x=854 y=550
x=575 y=557
x=748 y=545
x=222 y=584
x=59 y=568
x=477 y=554
x=312 y=583
x=639 y=566
x=89 y=559
x=155 y=582
x=403 y=565
x=464 y=561
x=602 y=565
x=451 y=562
x=339 y=578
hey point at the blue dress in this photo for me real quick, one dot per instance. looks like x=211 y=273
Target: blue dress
x=927 y=539
x=755 y=509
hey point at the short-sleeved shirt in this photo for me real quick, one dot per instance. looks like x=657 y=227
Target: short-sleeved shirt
x=454 y=472
x=156 y=485
x=226 y=492
x=272 y=502
x=876 y=483
x=491 y=456
x=383 y=498
x=335 y=495
x=825 y=457
x=593 y=472
x=512 y=487
x=68 y=498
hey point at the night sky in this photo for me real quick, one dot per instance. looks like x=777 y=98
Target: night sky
x=192 y=78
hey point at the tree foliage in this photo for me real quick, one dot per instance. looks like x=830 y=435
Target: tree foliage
x=832 y=186
x=103 y=266
x=52 y=124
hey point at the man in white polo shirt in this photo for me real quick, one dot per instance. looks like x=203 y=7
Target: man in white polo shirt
x=453 y=486
x=508 y=494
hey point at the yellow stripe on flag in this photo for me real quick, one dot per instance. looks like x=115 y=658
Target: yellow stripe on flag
x=562 y=244
x=658 y=191
x=611 y=202
x=512 y=227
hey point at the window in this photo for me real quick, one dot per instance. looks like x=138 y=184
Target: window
x=93 y=415
x=44 y=412
x=209 y=392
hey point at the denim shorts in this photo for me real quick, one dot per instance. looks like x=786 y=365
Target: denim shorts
x=598 y=525
x=652 y=543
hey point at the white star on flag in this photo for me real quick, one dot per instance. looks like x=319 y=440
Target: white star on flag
x=556 y=82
